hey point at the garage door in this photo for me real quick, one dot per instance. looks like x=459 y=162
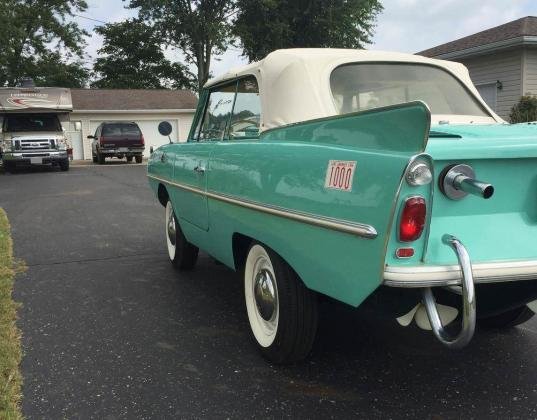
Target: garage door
x=149 y=130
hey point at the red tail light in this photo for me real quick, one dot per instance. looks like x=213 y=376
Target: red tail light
x=412 y=219
x=143 y=140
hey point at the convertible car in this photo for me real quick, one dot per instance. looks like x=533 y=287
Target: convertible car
x=359 y=175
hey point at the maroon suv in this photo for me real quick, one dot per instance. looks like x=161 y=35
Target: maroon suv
x=117 y=139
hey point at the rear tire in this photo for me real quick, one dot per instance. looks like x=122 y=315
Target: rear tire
x=138 y=159
x=100 y=158
x=94 y=158
x=182 y=253
x=283 y=313
x=64 y=165
x=129 y=159
x=508 y=319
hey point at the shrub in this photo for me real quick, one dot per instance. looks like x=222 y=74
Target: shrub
x=525 y=110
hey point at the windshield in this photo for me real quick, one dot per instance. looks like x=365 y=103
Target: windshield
x=31 y=122
x=121 y=129
x=357 y=87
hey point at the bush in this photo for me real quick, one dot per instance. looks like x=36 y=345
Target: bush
x=525 y=110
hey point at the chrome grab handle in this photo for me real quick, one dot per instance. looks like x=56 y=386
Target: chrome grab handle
x=199 y=169
x=468 y=301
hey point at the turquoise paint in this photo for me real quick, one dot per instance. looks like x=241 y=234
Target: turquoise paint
x=286 y=167
x=503 y=227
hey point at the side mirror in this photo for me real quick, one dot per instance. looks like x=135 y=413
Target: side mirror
x=91 y=137
x=165 y=128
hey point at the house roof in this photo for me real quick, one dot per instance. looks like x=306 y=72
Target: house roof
x=497 y=36
x=132 y=99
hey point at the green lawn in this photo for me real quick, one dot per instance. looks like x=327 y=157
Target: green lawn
x=10 y=350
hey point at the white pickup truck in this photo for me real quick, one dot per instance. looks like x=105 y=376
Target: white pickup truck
x=30 y=126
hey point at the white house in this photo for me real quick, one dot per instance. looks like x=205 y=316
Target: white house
x=146 y=107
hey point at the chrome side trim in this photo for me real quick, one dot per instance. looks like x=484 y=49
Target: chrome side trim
x=358 y=229
x=449 y=275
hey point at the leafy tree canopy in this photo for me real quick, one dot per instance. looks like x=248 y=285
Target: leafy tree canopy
x=263 y=26
x=132 y=58
x=199 y=29
x=39 y=41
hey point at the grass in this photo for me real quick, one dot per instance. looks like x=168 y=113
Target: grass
x=10 y=349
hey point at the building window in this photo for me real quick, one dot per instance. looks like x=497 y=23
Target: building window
x=489 y=93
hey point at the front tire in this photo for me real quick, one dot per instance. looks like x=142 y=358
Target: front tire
x=182 y=253
x=64 y=165
x=508 y=319
x=100 y=158
x=282 y=312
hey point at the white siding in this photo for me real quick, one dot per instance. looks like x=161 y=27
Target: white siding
x=504 y=66
x=530 y=83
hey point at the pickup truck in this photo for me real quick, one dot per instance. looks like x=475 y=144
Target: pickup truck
x=117 y=139
x=30 y=126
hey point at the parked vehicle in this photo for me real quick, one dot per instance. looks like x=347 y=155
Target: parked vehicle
x=364 y=176
x=30 y=126
x=117 y=139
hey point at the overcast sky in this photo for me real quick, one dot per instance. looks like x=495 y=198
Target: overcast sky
x=404 y=25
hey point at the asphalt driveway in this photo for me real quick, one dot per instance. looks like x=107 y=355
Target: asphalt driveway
x=110 y=330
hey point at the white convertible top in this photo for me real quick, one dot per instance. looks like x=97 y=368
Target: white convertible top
x=295 y=83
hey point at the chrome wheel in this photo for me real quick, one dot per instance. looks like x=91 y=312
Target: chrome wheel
x=261 y=294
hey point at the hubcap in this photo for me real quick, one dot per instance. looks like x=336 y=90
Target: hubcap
x=265 y=295
x=171 y=228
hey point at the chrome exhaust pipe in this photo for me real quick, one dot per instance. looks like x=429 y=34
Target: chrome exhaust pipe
x=457 y=181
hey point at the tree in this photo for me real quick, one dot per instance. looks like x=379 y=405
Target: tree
x=39 y=41
x=132 y=58
x=263 y=26
x=200 y=29
x=524 y=110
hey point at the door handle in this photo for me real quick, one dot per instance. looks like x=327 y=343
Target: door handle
x=199 y=169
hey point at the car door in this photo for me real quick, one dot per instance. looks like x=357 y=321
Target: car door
x=191 y=164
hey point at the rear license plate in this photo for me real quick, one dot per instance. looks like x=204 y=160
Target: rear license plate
x=36 y=160
x=123 y=149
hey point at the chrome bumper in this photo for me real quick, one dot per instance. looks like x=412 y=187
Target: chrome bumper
x=468 y=301
x=27 y=155
x=450 y=275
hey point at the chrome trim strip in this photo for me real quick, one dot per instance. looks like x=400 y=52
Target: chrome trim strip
x=358 y=229
x=450 y=275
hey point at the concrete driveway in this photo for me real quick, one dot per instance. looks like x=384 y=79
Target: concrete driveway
x=110 y=330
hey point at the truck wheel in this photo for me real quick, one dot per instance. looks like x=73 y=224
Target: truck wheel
x=129 y=159
x=64 y=165
x=508 y=319
x=8 y=166
x=282 y=311
x=100 y=158
x=138 y=159
x=182 y=253
x=95 y=160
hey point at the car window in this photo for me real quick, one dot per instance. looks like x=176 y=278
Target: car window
x=246 y=111
x=357 y=87
x=217 y=113
x=121 y=129
x=32 y=122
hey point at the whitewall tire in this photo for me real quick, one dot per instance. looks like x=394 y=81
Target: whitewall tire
x=282 y=312
x=182 y=253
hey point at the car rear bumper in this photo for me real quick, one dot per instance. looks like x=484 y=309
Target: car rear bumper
x=450 y=275
x=125 y=151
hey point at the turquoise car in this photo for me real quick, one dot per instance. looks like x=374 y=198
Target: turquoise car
x=363 y=176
